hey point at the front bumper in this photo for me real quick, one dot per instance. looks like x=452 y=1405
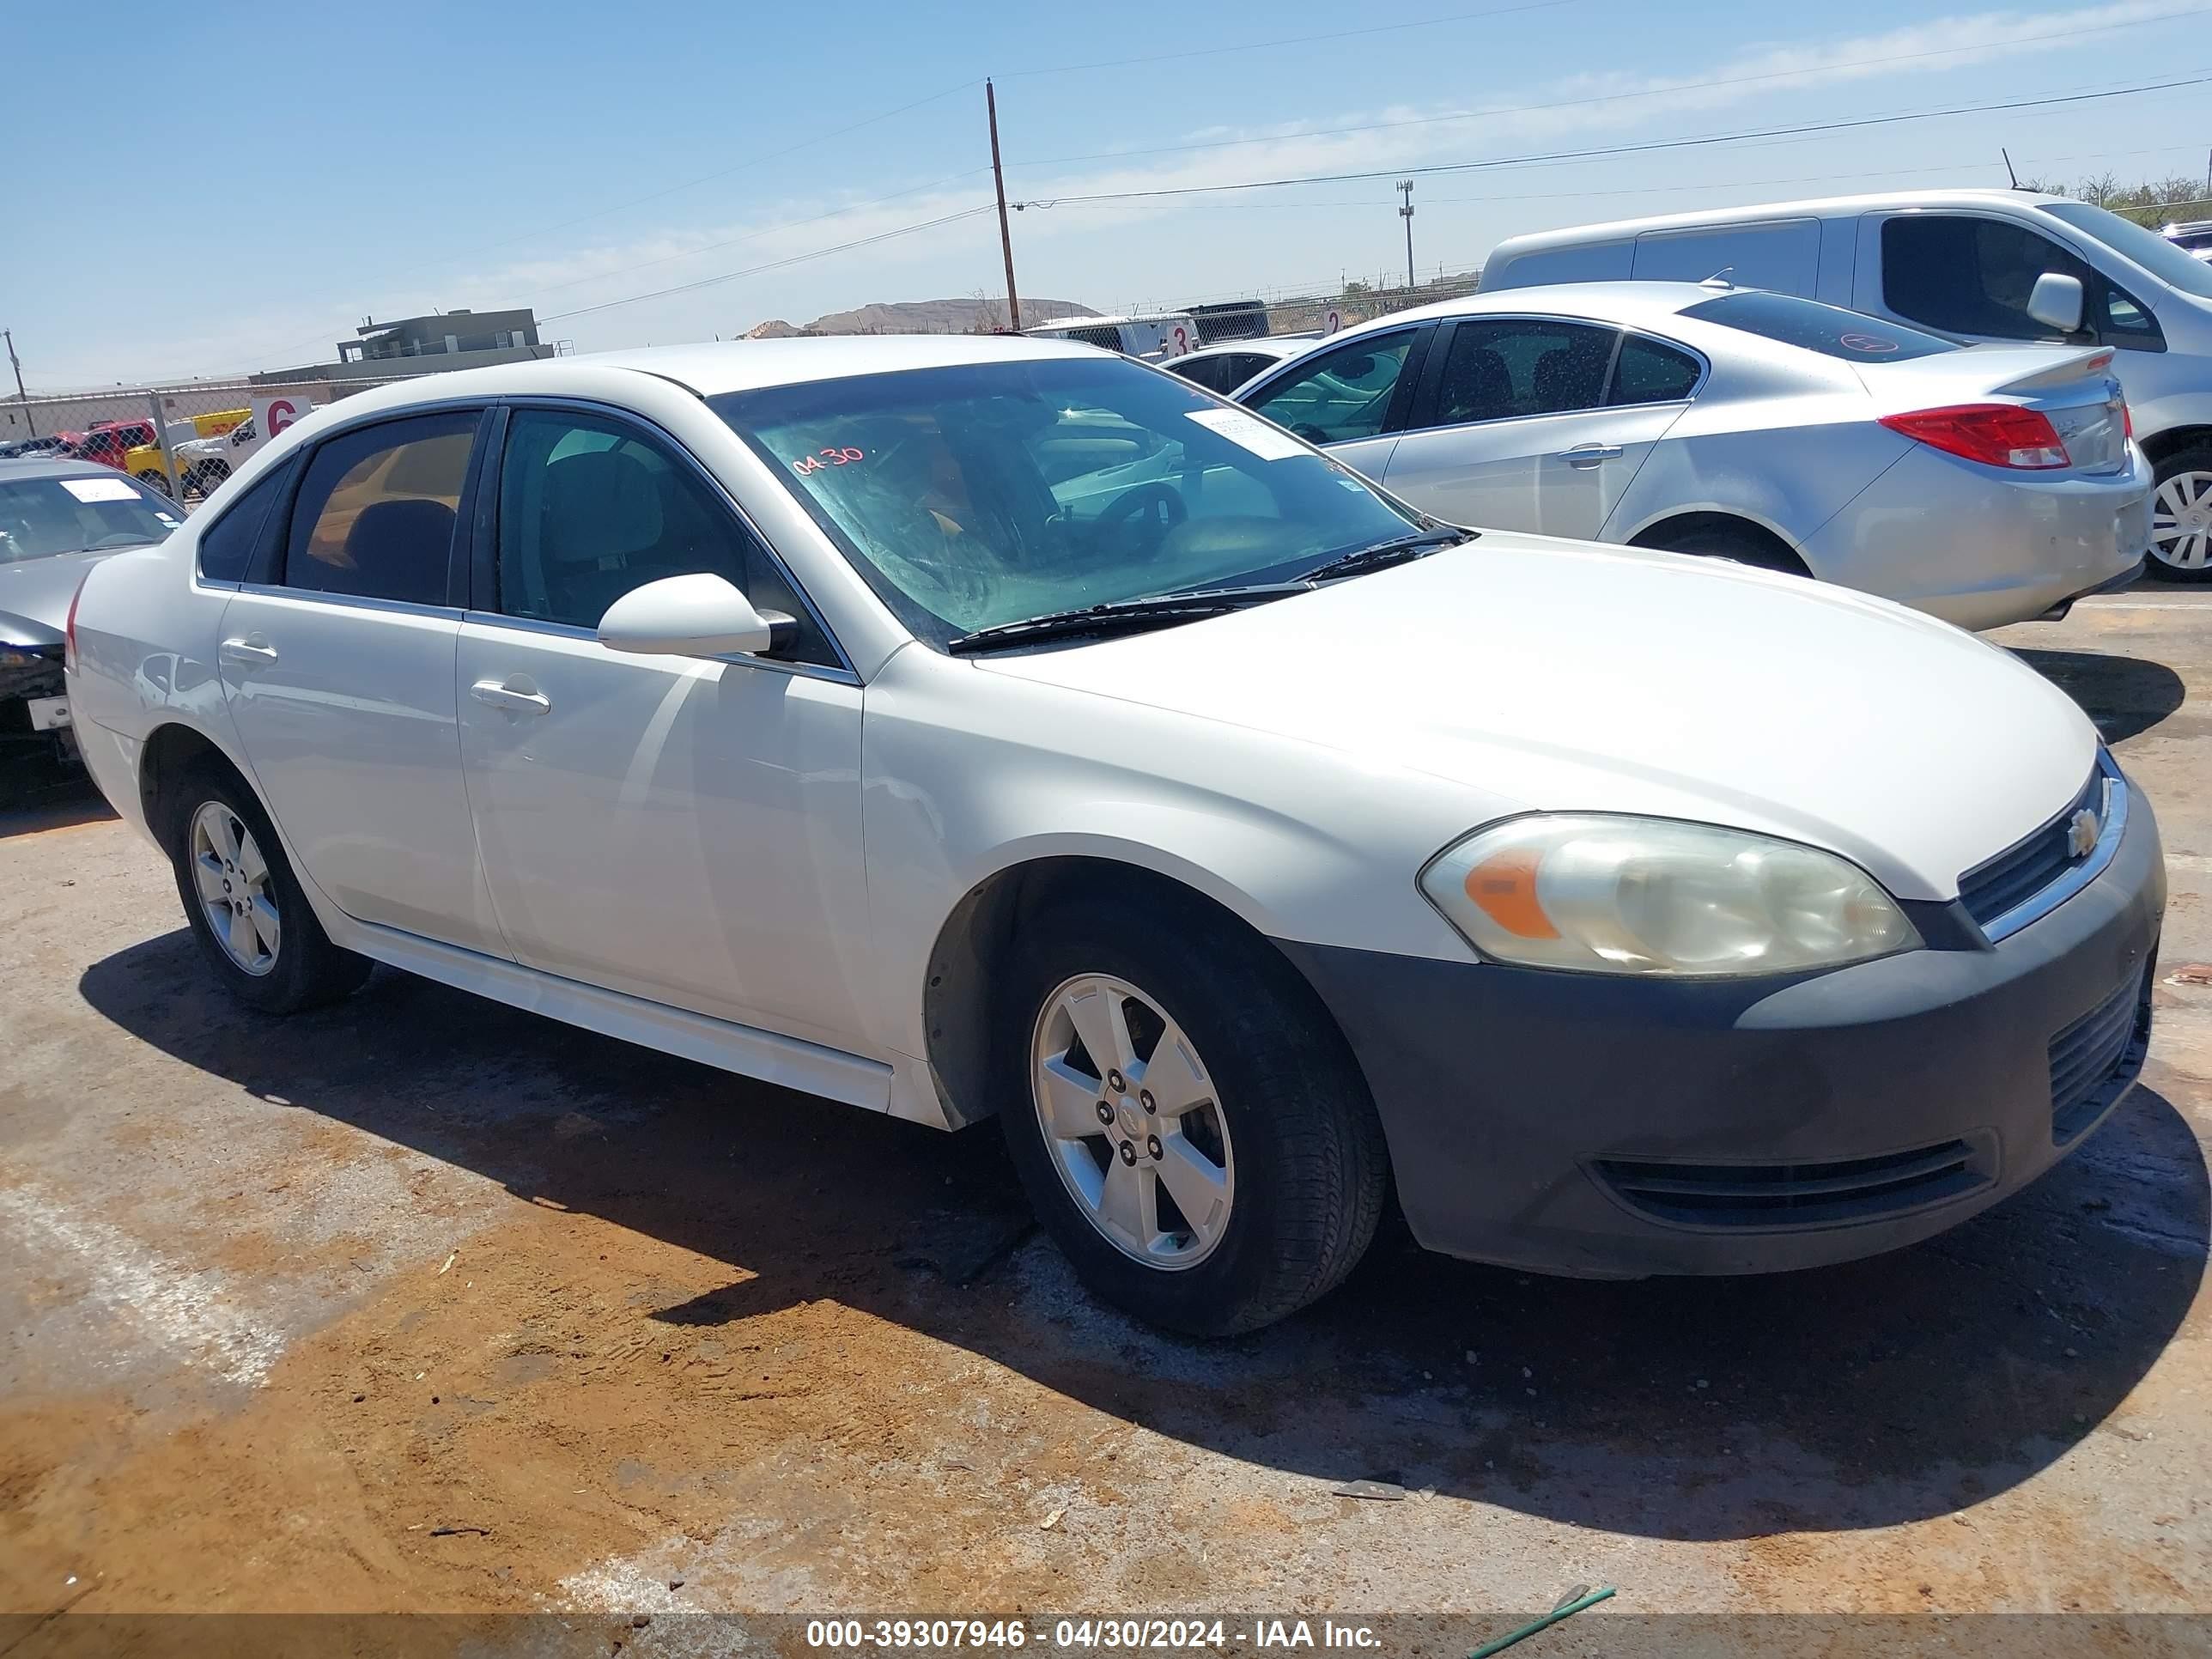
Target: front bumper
x=1612 y=1128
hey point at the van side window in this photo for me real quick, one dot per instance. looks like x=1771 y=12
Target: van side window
x=1647 y=371
x=1971 y=275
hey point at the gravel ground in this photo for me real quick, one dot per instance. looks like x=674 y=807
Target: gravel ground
x=421 y=1302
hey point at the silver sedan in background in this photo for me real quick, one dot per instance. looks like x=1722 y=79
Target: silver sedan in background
x=1984 y=484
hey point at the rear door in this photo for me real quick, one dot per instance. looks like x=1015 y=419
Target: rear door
x=337 y=660
x=1537 y=423
x=1351 y=398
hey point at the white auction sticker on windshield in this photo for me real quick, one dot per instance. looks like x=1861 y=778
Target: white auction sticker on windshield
x=99 y=489
x=1248 y=433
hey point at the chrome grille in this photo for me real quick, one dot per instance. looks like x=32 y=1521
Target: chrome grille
x=1997 y=891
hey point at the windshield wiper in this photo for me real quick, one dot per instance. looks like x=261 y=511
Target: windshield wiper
x=1116 y=615
x=1396 y=550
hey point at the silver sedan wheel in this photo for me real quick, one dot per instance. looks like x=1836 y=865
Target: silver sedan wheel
x=1129 y=1116
x=2181 y=522
x=235 y=893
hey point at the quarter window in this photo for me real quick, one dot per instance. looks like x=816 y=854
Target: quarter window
x=1495 y=370
x=227 y=545
x=377 y=507
x=1342 y=394
x=590 y=508
x=1647 y=371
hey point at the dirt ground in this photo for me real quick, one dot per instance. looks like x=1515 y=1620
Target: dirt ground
x=421 y=1302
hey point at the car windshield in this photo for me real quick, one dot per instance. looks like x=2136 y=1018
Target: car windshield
x=2170 y=264
x=41 y=517
x=1829 y=330
x=989 y=493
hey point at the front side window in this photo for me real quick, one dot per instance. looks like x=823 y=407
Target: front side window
x=377 y=510
x=1970 y=276
x=2155 y=253
x=590 y=507
x=1495 y=370
x=983 y=494
x=1339 y=395
x=41 y=517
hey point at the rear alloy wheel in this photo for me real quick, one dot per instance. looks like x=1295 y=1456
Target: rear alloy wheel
x=247 y=912
x=2181 y=517
x=1187 y=1120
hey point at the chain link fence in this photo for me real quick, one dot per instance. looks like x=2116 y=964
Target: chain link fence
x=183 y=441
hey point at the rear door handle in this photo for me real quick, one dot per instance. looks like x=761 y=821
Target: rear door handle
x=1590 y=454
x=514 y=699
x=247 y=654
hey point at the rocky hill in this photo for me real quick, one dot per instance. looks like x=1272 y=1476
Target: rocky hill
x=963 y=316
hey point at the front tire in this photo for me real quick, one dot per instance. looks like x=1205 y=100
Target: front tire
x=154 y=480
x=244 y=907
x=1188 y=1122
x=2181 y=517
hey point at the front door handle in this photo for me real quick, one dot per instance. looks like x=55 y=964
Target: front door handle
x=514 y=699
x=250 y=652
x=1590 y=454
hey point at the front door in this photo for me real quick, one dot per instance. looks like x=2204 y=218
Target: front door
x=681 y=830
x=1350 y=397
x=339 y=674
x=1515 y=429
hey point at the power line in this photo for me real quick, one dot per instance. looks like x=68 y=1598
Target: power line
x=1286 y=40
x=773 y=264
x=1643 y=148
x=1599 y=98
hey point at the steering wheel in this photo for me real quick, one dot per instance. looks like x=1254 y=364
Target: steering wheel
x=1310 y=431
x=1161 y=504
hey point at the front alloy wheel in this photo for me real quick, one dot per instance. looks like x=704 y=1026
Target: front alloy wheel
x=1128 y=1110
x=235 y=894
x=2181 y=522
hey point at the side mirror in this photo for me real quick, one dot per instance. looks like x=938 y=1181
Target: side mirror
x=701 y=615
x=2056 y=302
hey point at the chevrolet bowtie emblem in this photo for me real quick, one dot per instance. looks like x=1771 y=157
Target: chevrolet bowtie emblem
x=2082 y=832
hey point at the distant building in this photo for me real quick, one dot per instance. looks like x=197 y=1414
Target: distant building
x=425 y=345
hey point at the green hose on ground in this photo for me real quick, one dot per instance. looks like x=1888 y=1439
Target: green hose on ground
x=1576 y=1601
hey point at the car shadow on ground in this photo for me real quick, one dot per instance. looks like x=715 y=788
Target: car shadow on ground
x=2124 y=695
x=41 y=796
x=1856 y=1396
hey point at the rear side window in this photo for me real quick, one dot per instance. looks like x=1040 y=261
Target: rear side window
x=227 y=545
x=1829 y=330
x=378 y=508
x=1647 y=371
x=1522 y=366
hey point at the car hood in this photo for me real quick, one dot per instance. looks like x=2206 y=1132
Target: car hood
x=1564 y=676
x=35 y=593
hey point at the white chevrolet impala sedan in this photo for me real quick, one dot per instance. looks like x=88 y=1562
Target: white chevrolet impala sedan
x=954 y=727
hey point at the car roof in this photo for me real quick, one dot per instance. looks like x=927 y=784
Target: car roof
x=32 y=466
x=1624 y=304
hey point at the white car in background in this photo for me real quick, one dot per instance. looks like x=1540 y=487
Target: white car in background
x=1984 y=486
x=957 y=726
x=204 y=462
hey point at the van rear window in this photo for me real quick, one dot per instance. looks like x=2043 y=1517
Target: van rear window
x=1829 y=330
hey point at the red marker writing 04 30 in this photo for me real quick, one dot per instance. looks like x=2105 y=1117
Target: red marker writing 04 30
x=822 y=457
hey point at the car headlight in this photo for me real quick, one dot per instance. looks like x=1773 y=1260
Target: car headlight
x=1606 y=895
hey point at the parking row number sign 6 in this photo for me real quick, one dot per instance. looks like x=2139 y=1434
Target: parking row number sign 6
x=271 y=415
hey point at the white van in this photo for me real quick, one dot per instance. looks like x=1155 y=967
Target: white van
x=1154 y=338
x=1968 y=264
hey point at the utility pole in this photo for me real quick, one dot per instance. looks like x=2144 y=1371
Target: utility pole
x=21 y=396
x=1006 y=237
x=1405 y=186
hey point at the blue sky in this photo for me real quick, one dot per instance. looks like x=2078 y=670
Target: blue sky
x=293 y=169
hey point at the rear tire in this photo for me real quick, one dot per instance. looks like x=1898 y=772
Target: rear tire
x=1263 y=1194
x=2181 y=517
x=154 y=480
x=244 y=907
